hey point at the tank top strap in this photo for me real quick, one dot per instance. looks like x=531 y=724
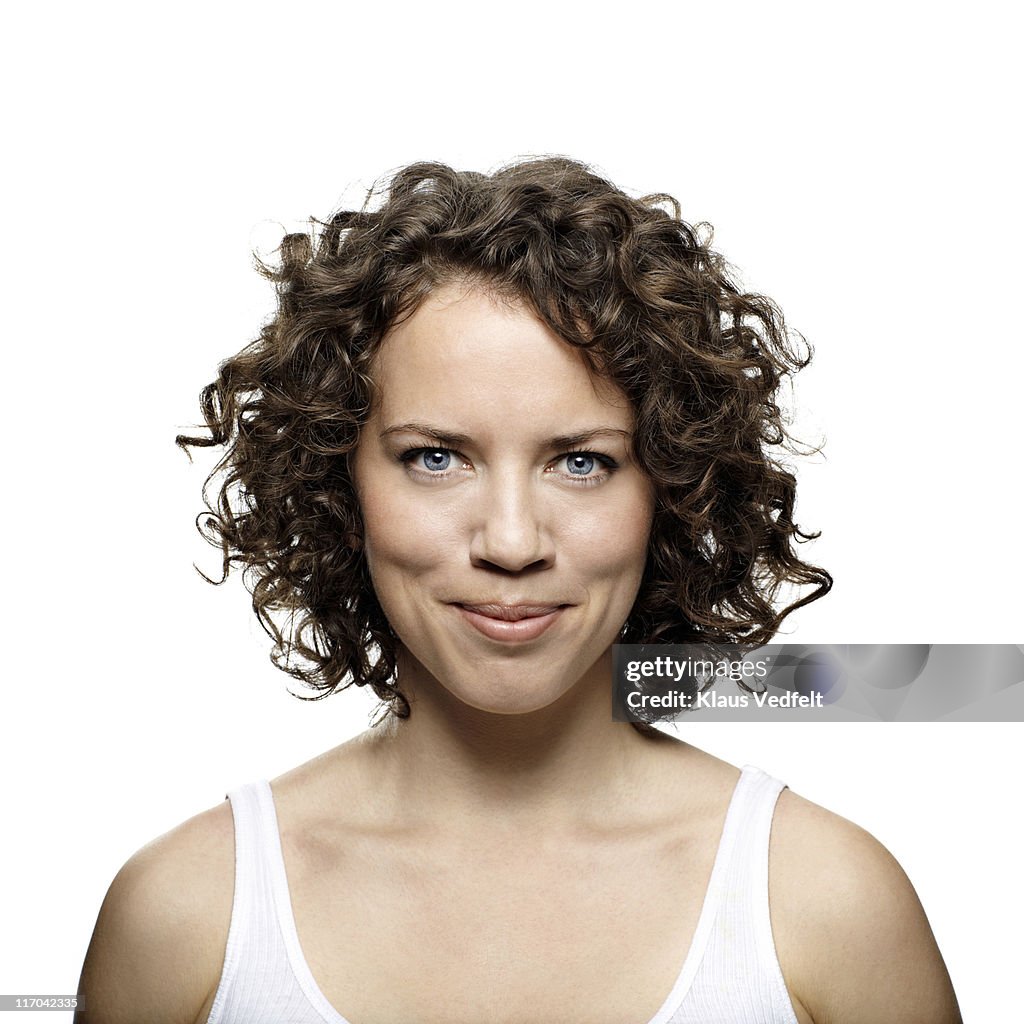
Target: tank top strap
x=740 y=954
x=747 y=886
x=258 y=982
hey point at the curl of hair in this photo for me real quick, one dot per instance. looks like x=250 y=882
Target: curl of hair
x=625 y=280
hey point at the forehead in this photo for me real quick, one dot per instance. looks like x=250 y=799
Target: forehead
x=468 y=353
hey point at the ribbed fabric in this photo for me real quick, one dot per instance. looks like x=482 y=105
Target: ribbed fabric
x=265 y=979
x=731 y=974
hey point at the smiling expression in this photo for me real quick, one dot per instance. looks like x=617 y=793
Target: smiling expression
x=505 y=523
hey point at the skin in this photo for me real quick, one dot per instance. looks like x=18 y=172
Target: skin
x=496 y=841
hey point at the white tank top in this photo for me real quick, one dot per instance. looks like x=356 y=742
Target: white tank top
x=731 y=974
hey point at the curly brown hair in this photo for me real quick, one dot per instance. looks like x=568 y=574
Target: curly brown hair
x=627 y=281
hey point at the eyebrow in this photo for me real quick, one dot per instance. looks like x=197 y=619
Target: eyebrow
x=453 y=439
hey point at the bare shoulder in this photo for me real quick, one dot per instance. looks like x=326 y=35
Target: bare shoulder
x=158 y=946
x=852 y=937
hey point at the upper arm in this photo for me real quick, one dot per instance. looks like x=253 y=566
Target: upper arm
x=158 y=945
x=852 y=936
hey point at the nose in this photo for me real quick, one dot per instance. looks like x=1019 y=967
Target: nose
x=511 y=531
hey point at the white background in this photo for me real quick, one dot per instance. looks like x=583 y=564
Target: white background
x=859 y=166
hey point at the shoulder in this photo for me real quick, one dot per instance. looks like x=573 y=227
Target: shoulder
x=158 y=946
x=851 y=934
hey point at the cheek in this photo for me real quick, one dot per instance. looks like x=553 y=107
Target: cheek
x=610 y=543
x=609 y=555
x=403 y=538
x=624 y=553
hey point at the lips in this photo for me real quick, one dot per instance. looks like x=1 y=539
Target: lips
x=514 y=623
x=511 y=612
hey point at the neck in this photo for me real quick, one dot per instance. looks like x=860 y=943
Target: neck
x=565 y=762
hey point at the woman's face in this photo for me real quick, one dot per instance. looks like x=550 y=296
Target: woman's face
x=506 y=527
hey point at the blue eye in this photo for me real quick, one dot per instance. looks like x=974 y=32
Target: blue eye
x=587 y=467
x=435 y=459
x=579 y=465
x=430 y=462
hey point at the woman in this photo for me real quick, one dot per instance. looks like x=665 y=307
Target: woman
x=497 y=425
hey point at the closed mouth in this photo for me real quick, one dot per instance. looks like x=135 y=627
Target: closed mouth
x=510 y=612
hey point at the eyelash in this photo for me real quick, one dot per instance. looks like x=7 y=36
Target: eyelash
x=609 y=464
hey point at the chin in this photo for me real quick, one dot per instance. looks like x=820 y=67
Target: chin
x=511 y=704
x=511 y=691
